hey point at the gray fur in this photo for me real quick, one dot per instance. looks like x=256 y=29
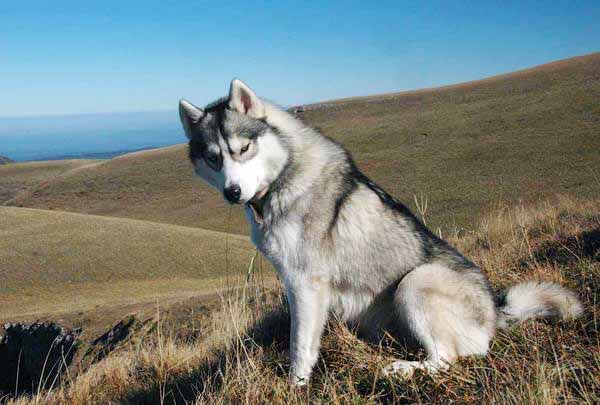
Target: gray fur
x=534 y=299
x=342 y=244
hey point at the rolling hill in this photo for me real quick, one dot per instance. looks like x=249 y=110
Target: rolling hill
x=155 y=185
x=519 y=136
x=18 y=177
x=55 y=262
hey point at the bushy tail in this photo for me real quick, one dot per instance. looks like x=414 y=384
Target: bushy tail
x=538 y=300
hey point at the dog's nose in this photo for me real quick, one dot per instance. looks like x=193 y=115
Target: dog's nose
x=233 y=193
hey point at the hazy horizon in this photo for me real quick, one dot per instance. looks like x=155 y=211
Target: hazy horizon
x=47 y=137
x=52 y=137
x=94 y=77
x=174 y=112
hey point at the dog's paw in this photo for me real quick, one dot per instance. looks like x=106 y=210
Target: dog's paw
x=403 y=368
x=298 y=381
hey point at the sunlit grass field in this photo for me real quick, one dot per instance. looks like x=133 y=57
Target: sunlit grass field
x=241 y=354
x=57 y=262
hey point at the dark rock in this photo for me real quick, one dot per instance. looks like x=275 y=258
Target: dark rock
x=34 y=356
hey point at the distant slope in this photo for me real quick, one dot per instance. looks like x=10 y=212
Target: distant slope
x=56 y=261
x=156 y=185
x=18 y=177
x=524 y=135
x=525 y=74
x=4 y=160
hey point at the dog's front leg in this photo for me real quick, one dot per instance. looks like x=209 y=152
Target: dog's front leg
x=308 y=300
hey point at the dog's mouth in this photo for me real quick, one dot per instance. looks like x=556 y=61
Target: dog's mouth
x=256 y=204
x=260 y=194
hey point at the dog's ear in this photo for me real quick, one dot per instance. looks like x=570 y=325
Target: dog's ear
x=190 y=115
x=243 y=100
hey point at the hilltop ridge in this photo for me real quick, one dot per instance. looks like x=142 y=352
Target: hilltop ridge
x=524 y=136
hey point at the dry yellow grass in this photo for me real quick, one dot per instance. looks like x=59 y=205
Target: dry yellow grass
x=241 y=357
x=54 y=262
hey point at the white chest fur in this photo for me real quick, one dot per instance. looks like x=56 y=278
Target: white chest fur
x=280 y=242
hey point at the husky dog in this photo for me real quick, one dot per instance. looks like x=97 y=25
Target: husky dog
x=342 y=244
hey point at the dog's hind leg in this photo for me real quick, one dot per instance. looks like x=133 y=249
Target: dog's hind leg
x=451 y=314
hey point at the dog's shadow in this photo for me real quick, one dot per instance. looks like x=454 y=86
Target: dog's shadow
x=268 y=339
x=270 y=333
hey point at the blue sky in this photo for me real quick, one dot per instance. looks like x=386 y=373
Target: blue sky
x=71 y=57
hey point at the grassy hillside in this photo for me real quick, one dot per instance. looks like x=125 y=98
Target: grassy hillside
x=520 y=136
x=525 y=135
x=18 y=177
x=241 y=355
x=52 y=262
x=155 y=185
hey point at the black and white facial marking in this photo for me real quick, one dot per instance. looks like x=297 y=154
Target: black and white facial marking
x=231 y=146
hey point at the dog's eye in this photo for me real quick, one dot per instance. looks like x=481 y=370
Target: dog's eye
x=212 y=158
x=244 y=149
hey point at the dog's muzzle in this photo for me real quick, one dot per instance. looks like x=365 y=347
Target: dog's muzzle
x=233 y=193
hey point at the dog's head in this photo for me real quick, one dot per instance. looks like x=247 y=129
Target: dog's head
x=231 y=145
